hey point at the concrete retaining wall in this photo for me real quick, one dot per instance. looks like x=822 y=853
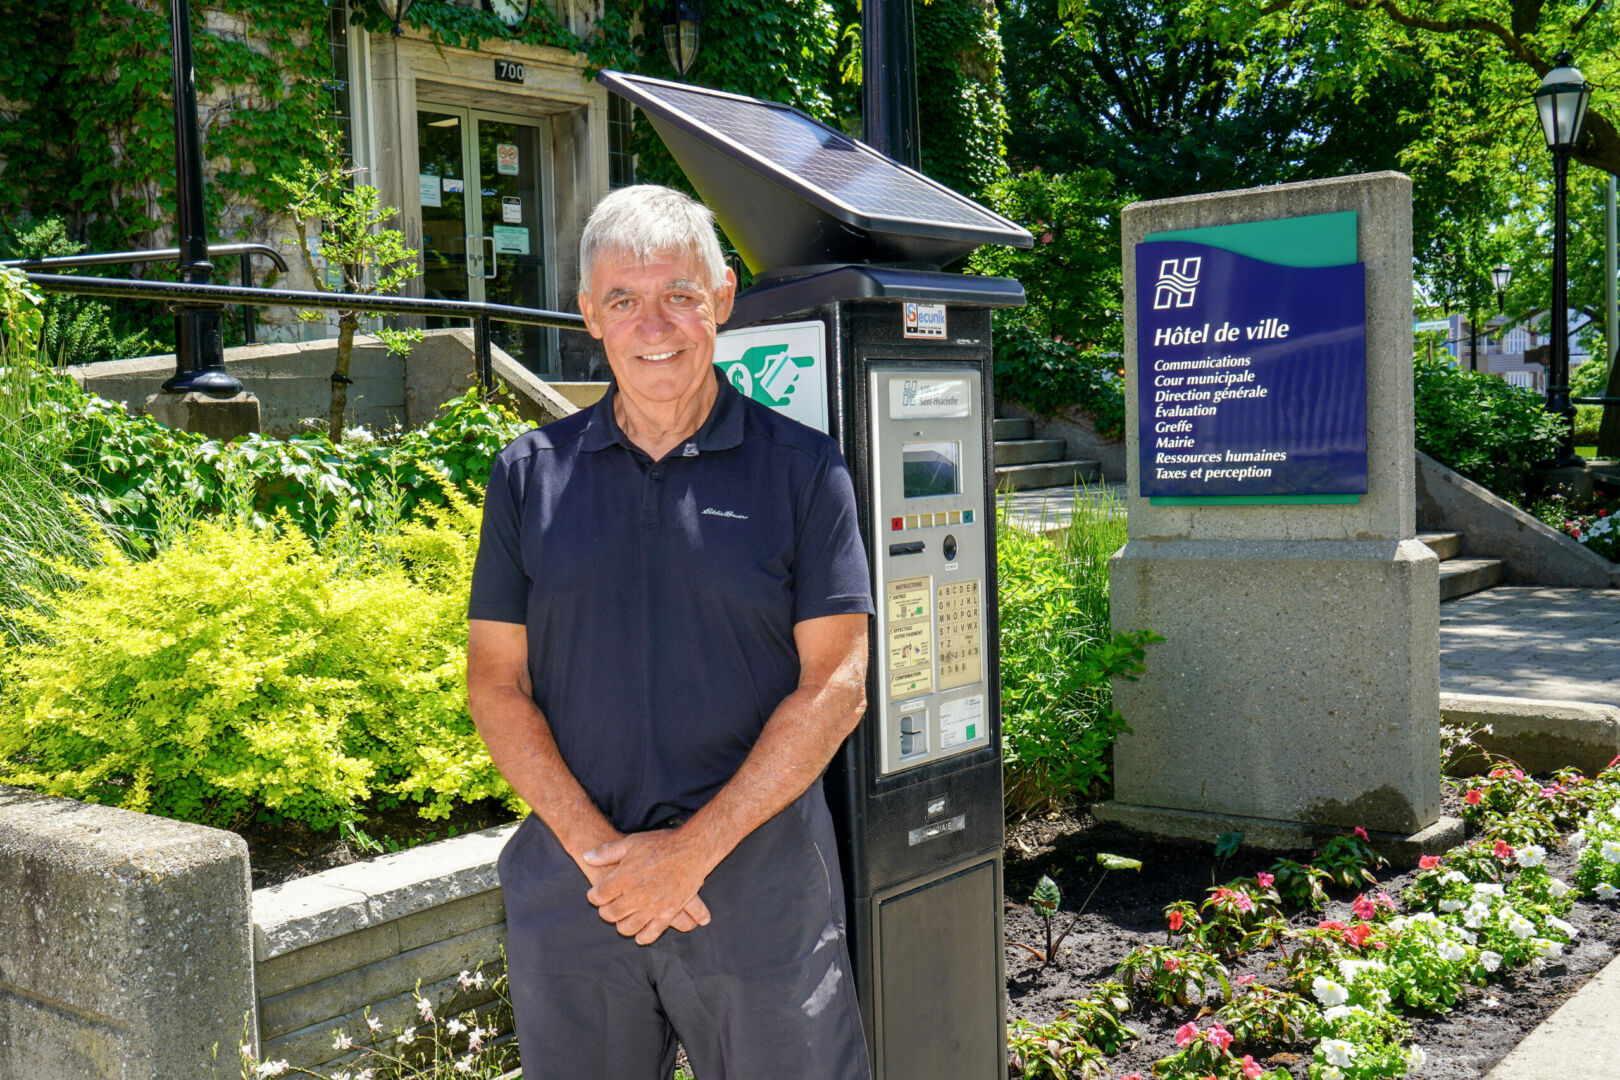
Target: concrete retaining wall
x=331 y=945
x=1075 y=427
x=1541 y=736
x=292 y=382
x=1533 y=553
x=126 y=949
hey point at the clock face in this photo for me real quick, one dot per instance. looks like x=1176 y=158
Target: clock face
x=510 y=12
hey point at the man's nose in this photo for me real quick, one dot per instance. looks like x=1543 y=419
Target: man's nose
x=654 y=323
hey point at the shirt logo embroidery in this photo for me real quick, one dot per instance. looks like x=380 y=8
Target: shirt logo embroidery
x=725 y=513
x=690 y=451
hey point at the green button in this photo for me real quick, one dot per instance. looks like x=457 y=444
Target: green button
x=972 y=729
x=967 y=517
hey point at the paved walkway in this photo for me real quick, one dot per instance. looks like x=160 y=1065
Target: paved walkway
x=1051 y=508
x=1512 y=641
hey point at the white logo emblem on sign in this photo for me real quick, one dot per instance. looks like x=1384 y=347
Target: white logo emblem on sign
x=1177 y=282
x=924 y=320
x=783 y=365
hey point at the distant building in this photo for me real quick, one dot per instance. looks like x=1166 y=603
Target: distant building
x=1503 y=347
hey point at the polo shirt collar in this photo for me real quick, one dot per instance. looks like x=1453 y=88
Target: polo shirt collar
x=722 y=429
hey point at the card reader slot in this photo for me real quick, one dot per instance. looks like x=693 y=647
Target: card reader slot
x=915 y=547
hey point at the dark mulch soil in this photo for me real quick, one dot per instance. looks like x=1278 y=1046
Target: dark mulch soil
x=280 y=851
x=1127 y=911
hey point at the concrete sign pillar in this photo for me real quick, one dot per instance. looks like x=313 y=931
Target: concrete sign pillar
x=1272 y=526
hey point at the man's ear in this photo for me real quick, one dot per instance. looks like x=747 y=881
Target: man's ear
x=723 y=297
x=587 y=308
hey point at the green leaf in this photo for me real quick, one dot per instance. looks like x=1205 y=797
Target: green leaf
x=1118 y=862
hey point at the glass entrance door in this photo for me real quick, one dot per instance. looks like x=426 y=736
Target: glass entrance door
x=484 y=220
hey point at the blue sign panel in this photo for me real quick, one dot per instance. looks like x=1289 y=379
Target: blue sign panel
x=1251 y=377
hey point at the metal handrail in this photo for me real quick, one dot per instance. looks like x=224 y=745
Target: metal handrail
x=1603 y=400
x=185 y=294
x=114 y=258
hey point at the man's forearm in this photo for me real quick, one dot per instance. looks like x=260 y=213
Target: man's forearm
x=523 y=749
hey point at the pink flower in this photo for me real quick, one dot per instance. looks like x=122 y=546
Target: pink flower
x=1503 y=850
x=1264 y=879
x=1245 y=980
x=1185 y=1034
x=1518 y=774
x=1384 y=901
x=1176 y=919
x=1361 y=834
x=1219 y=1037
x=1251 y=1068
x=1473 y=798
x=1046 y=238
x=1363 y=907
x=1131 y=1076
x=1497 y=774
x=1428 y=862
x=1357 y=935
x=1171 y=963
x=1330 y=924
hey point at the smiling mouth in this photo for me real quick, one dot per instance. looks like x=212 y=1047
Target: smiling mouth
x=660 y=356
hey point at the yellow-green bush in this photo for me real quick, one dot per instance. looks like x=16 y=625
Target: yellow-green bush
x=244 y=668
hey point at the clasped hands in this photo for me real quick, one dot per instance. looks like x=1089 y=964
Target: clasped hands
x=644 y=883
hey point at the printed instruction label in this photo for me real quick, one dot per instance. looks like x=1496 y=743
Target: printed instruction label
x=961 y=722
x=911 y=637
x=960 y=657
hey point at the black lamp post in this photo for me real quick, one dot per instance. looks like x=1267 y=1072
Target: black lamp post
x=889 y=80
x=682 y=23
x=1499 y=281
x=199 y=353
x=1561 y=103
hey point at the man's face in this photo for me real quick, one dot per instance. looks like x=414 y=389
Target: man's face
x=656 y=320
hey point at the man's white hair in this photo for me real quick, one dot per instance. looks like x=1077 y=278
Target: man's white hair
x=648 y=220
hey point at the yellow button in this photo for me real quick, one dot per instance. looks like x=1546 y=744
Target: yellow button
x=956 y=517
x=927 y=520
x=911 y=521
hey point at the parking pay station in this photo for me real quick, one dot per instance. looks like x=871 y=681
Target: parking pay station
x=852 y=327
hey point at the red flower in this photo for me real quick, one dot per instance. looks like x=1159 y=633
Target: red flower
x=1473 y=798
x=1428 y=862
x=1171 y=963
x=1219 y=1037
x=1264 y=879
x=1358 y=934
x=1185 y=1034
x=1361 y=833
x=1330 y=924
x=1251 y=1068
x=1363 y=907
x=1503 y=850
x=1176 y=919
x=1497 y=774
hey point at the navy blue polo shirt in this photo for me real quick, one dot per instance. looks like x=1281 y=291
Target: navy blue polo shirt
x=660 y=597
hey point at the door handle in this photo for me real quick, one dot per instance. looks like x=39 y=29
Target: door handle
x=489 y=265
x=475 y=254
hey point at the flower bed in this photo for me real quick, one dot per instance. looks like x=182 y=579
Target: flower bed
x=1435 y=972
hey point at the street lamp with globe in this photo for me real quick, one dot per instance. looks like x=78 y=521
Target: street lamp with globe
x=1561 y=104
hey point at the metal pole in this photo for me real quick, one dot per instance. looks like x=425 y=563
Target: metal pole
x=1611 y=252
x=199 y=355
x=1558 y=401
x=249 y=336
x=484 y=360
x=889 y=82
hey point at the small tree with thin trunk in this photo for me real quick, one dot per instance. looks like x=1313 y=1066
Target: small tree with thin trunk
x=359 y=256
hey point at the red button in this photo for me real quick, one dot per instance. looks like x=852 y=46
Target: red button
x=895 y=523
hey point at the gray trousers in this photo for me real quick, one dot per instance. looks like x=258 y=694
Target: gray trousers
x=764 y=992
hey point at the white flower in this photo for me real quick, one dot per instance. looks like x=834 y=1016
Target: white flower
x=1558 y=888
x=271 y=1068
x=1451 y=952
x=1378 y=997
x=247 y=1051
x=373 y=1023
x=1577 y=839
x=1610 y=851
x=1337 y=1051
x=1328 y=992
x=1489 y=960
x=1542 y=948
x=1338 y=1012
x=1330 y=1073
x=1519 y=926
x=1487 y=888
x=454 y=1026
x=1426 y=917
x=406 y=1037
x=424 y=1010
x=1449 y=906
x=464 y=980
x=1563 y=927
x=1476 y=914
x=1605 y=891
x=344 y=1075
x=478 y=979
x=363 y=1074
x=1415 y=1056
x=1453 y=877
x=1531 y=855
x=1467 y=935
x=342 y=1042
x=464 y=1065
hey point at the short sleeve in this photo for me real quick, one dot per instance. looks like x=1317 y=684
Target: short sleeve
x=500 y=588
x=830 y=568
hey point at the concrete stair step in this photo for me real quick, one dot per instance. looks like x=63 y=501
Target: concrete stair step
x=1047 y=474
x=1014 y=429
x=1460 y=577
x=1029 y=451
x=1445 y=545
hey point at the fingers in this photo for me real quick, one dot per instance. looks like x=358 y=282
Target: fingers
x=682 y=922
x=607 y=854
x=697 y=911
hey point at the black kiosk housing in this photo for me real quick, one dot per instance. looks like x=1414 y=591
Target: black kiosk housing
x=838 y=234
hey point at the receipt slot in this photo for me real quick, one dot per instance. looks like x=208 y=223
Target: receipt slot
x=852 y=327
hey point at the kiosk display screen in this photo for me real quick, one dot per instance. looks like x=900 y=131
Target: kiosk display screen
x=931 y=468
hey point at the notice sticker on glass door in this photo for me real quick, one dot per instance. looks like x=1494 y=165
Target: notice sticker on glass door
x=506 y=159
x=511 y=209
x=510 y=239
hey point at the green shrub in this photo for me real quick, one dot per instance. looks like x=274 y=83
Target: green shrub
x=40 y=518
x=78 y=329
x=243 y=669
x=141 y=470
x=1048 y=375
x=1058 y=655
x=1476 y=423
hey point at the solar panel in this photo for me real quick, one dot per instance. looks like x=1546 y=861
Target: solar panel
x=723 y=140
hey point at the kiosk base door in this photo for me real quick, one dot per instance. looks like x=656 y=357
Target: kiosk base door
x=940 y=986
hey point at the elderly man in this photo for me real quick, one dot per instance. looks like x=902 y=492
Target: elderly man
x=667 y=646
